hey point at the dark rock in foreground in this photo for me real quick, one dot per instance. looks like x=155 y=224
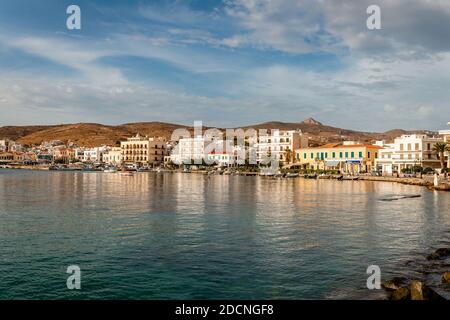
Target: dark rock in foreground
x=446 y=277
x=394 y=284
x=439 y=254
x=401 y=294
x=417 y=290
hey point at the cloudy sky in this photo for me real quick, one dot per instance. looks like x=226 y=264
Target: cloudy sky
x=226 y=62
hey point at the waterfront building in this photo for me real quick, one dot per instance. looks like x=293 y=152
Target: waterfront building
x=348 y=157
x=6 y=157
x=16 y=157
x=63 y=154
x=3 y=145
x=408 y=151
x=222 y=159
x=143 y=151
x=44 y=158
x=93 y=155
x=113 y=156
x=446 y=136
x=195 y=150
x=280 y=145
x=7 y=145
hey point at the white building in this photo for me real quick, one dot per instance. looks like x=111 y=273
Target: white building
x=93 y=155
x=113 y=156
x=446 y=136
x=408 y=151
x=280 y=145
x=9 y=145
x=222 y=159
x=196 y=150
x=3 y=145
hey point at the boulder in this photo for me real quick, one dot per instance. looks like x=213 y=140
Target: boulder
x=439 y=254
x=401 y=294
x=394 y=284
x=446 y=277
x=432 y=294
x=417 y=290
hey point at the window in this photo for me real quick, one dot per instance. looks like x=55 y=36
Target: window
x=304 y=156
x=340 y=155
x=409 y=146
x=326 y=155
x=312 y=155
x=346 y=154
x=334 y=155
x=401 y=146
x=428 y=146
x=353 y=154
x=417 y=147
x=360 y=154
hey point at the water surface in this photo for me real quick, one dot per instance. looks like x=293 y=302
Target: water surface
x=187 y=236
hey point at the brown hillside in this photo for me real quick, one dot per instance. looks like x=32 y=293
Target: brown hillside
x=93 y=134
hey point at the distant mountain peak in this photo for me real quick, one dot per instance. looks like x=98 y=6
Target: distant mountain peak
x=312 y=121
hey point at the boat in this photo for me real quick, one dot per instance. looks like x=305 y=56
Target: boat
x=291 y=175
x=268 y=172
x=126 y=173
x=110 y=170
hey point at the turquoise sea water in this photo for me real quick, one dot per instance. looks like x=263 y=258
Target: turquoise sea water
x=187 y=236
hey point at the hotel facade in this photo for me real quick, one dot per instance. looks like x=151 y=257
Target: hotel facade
x=349 y=157
x=408 y=151
x=143 y=151
x=280 y=145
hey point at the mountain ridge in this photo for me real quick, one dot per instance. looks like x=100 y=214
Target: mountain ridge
x=95 y=134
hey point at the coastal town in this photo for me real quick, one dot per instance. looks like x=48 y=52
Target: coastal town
x=405 y=156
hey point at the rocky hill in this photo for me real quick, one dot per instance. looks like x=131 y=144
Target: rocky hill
x=94 y=134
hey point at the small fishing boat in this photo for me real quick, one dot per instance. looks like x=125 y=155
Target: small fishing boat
x=291 y=175
x=126 y=173
x=110 y=170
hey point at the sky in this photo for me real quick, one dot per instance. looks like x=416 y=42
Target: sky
x=226 y=62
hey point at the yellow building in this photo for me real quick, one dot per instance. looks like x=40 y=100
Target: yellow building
x=347 y=157
x=143 y=151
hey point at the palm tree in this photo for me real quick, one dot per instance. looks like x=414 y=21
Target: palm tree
x=440 y=148
x=288 y=155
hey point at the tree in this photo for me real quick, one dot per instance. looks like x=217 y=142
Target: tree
x=440 y=148
x=288 y=155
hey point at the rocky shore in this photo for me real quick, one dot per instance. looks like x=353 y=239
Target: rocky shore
x=433 y=285
x=424 y=182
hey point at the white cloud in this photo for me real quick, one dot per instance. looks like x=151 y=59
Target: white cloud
x=408 y=26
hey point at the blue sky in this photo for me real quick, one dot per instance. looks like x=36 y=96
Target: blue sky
x=226 y=62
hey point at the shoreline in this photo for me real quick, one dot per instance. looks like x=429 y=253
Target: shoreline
x=422 y=182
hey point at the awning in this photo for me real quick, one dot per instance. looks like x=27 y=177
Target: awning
x=332 y=163
x=353 y=161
